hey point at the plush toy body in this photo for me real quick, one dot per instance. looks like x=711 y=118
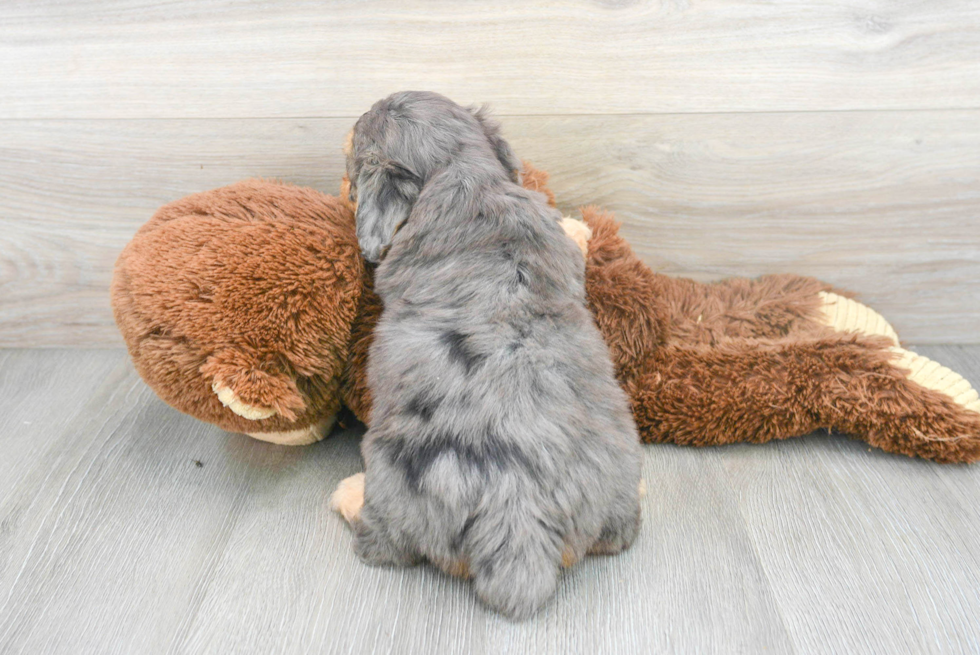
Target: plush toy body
x=771 y=358
x=249 y=307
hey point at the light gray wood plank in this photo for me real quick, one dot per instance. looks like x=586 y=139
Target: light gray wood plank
x=289 y=580
x=885 y=204
x=109 y=537
x=41 y=395
x=122 y=58
x=866 y=552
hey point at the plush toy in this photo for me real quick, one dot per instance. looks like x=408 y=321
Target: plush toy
x=250 y=307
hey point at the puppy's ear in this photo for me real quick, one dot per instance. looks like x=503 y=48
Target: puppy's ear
x=500 y=146
x=386 y=193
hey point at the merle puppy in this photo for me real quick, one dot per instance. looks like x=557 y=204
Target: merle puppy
x=500 y=444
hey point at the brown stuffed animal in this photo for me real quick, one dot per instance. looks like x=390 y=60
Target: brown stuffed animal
x=250 y=307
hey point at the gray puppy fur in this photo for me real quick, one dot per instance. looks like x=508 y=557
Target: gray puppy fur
x=500 y=441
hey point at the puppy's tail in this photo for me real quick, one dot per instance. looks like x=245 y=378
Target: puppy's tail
x=514 y=560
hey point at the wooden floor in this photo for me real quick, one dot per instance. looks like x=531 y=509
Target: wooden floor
x=129 y=528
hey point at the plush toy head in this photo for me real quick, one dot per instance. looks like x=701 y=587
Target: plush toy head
x=250 y=307
x=236 y=305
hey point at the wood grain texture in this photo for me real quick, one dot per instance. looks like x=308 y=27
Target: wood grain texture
x=114 y=540
x=883 y=203
x=102 y=554
x=307 y=591
x=883 y=548
x=121 y=58
x=43 y=393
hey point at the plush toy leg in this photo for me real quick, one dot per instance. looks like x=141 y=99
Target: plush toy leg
x=848 y=315
x=639 y=311
x=932 y=375
x=757 y=391
x=768 y=307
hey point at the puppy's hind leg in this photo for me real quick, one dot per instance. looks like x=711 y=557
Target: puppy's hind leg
x=621 y=526
x=514 y=561
x=374 y=545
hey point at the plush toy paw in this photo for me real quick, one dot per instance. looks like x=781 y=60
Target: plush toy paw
x=847 y=315
x=301 y=437
x=578 y=231
x=932 y=375
x=348 y=499
x=231 y=400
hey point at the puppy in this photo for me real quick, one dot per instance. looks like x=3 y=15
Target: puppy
x=500 y=444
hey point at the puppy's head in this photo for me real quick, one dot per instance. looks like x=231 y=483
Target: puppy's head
x=399 y=144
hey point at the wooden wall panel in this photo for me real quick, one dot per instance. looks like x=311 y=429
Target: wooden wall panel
x=293 y=58
x=884 y=203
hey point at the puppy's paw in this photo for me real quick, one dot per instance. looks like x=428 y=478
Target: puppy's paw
x=457 y=568
x=348 y=499
x=231 y=400
x=618 y=534
x=375 y=548
x=579 y=232
x=569 y=557
x=932 y=375
x=846 y=315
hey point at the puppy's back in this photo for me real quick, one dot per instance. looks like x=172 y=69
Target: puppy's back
x=497 y=407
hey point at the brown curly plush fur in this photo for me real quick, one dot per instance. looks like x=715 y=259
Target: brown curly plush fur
x=741 y=360
x=256 y=285
x=261 y=285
